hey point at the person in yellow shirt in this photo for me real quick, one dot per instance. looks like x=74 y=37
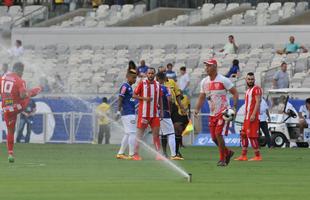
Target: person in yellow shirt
x=181 y=117
x=103 y=112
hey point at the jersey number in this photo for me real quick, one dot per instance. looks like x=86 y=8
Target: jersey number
x=6 y=86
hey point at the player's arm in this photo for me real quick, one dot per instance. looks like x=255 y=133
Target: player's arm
x=256 y=107
x=178 y=97
x=200 y=102
x=235 y=95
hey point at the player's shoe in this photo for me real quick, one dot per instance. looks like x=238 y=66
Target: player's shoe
x=160 y=157
x=229 y=156
x=256 y=158
x=121 y=156
x=176 y=158
x=221 y=163
x=179 y=156
x=241 y=158
x=11 y=158
x=136 y=157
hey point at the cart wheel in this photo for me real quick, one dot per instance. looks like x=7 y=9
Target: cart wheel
x=278 y=139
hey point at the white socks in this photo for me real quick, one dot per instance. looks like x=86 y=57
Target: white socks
x=124 y=144
x=131 y=143
x=171 y=141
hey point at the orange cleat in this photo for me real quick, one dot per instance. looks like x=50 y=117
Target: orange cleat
x=159 y=157
x=241 y=158
x=136 y=157
x=121 y=156
x=256 y=158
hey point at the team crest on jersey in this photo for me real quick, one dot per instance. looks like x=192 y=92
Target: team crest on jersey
x=123 y=90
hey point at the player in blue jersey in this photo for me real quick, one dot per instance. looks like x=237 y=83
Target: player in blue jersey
x=126 y=111
x=167 y=132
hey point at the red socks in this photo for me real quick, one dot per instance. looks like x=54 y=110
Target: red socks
x=156 y=142
x=255 y=146
x=10 y=143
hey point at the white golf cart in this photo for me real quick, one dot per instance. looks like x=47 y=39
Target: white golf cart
x=284 y=125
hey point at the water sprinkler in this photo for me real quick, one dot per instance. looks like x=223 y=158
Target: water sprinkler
x=189 y=178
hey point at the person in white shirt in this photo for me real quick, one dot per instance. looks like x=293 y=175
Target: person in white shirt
x=17 y=50
x=263 y=117
x=230 y=47
x=304 y=116
x=184 y=81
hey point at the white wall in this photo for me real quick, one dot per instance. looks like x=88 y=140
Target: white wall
x=159 y=36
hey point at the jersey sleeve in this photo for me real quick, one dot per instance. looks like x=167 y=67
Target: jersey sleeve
x=138 y=89
x=21 y=86
x=227 y=83
x=257 y=91
x=201 y=86
x=123 y=90
x=176 y=89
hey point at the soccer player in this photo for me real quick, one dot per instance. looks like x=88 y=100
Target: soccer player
x=148 y=93
x=214 y=88
x=166 y=126
x=15 y=98
x=126 y=110
x=251 y=120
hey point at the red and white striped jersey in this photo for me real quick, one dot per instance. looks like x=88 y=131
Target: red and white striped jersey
x=147 y=89
x=250 y=101
x=216 y=93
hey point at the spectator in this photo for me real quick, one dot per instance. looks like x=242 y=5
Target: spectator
x=17 y=50
x=161 y=69
x=263 y=117
x=304 y=116
x=132 y=65
x=103 y=111
x=58 y=85
x=184 y=81
x=45 y=86
x=292 y=47
x=96 y=3
x=169 y=73
x=142 y=70
x=230 y=47
x=26 y=118
x=234 y=71
x=281 y=78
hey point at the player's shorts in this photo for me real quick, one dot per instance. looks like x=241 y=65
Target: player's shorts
x=251 y=129
x=166 y=126
x=218 y=126
x=180 y=118
x=129 y=123
x=143 y=122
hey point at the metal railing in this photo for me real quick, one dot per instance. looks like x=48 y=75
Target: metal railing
x=29 y=17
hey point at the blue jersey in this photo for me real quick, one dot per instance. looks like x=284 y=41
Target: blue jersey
x=166 y=106
x=128 y=104
x=142 y=69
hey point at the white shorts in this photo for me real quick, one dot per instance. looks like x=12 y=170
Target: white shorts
x=166 y=126
x=129 y=123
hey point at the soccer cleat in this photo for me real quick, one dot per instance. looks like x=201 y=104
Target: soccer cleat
x=136 y=157
x=256 y=158
x=159 y=157
x=221 y=163
x=176 y=158
x=179 y=156
x=241 y=158
x=121 y=156
x=11 y=159
x=229 y=156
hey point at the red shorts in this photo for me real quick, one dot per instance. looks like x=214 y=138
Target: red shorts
x=218 y=126
x=143 y=122
x=251 y=129
x=10 y=119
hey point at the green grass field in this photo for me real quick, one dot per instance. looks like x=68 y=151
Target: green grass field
x=59 y=171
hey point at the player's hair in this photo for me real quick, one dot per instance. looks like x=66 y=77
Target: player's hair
x=132 y=65
x=131 y=72
x=161 y=75
x=152 y=68
x=250 y=74
x=19 y=42
x=183 y=68
x=308 y=101
x=18 y=67
x=105 y=99
x=235 y=62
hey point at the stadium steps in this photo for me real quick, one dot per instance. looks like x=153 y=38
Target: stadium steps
x=300 y=19
x=154 y=17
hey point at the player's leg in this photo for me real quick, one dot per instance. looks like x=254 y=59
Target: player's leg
x=27 y=138
x=264 y=128
x=139 y=136
x=10 y=120
x=219 y=122
x=122 y=149
x=178 y=137
x=107 y=132
x=20 y=130
x=253 y=136
x=228 y=152
x=167 y=129
x=163 y=136
x=172 y=145
x=100 y=134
